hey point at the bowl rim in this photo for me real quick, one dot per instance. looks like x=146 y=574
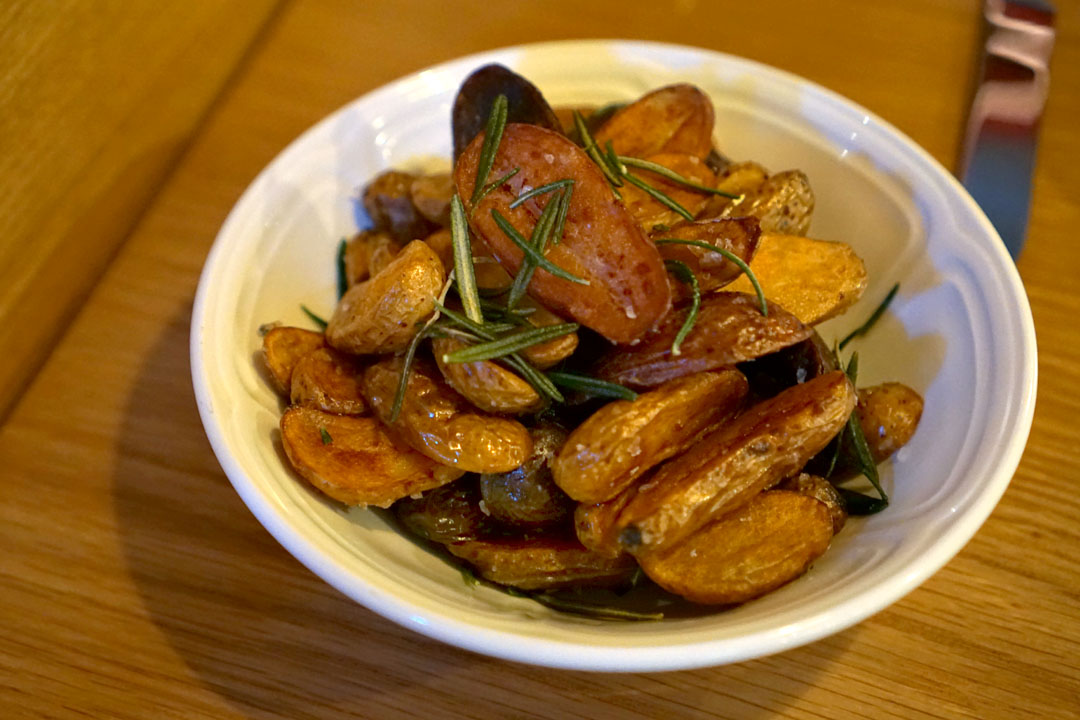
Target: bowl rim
x=629 y=658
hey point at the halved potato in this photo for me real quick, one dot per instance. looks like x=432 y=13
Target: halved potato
x=543 y=563
x=527 y=497
x=430 y=195
x=889 y=414
x=388 y=202
x=551 y=353
x=354 y=460
x=282 y=348
x=367 y=253
x=677 y=118
x=595 y=525
x=783 y=204
x=328 y=380
x=650 y=212
x=821 y=490
x=713 y=271
x=486 y=384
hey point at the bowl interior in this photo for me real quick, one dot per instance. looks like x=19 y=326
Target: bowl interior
x=960 y=323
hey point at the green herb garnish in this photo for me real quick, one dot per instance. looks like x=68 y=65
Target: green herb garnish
x=665 y=200
x=539 y=240
x=492 y=137
x=531 y=252
x=683 y=272
x=592 y=386
x=858 y=504
x=492 y=185
x=550 y=187
x=342 y=276
x=728 y=255
x=611 y=173
x=510 y=344
x=463 y=262
x=867 y=466
x=410 y=352
x=326 y=439
x=314 y=318
x=874 y=317
x=672 y=175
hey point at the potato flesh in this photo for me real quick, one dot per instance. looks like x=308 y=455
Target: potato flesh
x=436 y=421
x=543 y=563
x=486 y=384
x=650 y=212
x=769 y=442
x=767 y=543
x=623 y=440
x=627 y=291
x=783 y=204
x=328 y=380
x=282 y=348
x=729 y=329
x=360 y=464
x=713 y=271
x=821 y=490
x=676 y=119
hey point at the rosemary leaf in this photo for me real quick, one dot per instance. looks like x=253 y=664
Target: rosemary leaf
x=858 y=504
x=492 y=137
x=730 y=256
x=410 y=352
x=540 y=382
x=531 y=252
x=564 y=209
x=592 y=386
x=326 y=439
x=478 y=329
x=867 y=466
x=494 y=184
x=539 y=240
x=594 y=152
x=551 y=186
x=660 y=197
x=463 y=261
x=342 y=276
x=874 y=317
x=683 y=272
x=672 y=176
x=510 y=344
x=314 y=318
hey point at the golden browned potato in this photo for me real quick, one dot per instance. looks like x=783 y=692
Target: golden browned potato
x=677 y=118
x=441 y=424
x=328 y=380
x=430 y=195
x=622 y=440
x=282 y=348
x=784 y=204
x=769 y=442
x=543 y=563
x=354 y=460
x=486 y=384
x=729 y=329
x=742 y=179
x=367 y=253
x=765 y=544
x=388 y=202
x=738 y=236
x=595 y=525
x=527 y=497
x=889 y=414
x=491 y=278
x=650 y=212
x=821 y=490
x=382 y=315
x=551 y=353
x=627 y=290
x=450 y=513
x=814 y=280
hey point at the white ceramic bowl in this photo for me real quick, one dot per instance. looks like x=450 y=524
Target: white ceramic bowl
x=960 y=332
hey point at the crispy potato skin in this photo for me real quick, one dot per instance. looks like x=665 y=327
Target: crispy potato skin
x=595 y=525
x=821 y=490
x=527 y=497
x=551 y=353
x=622 y=440
x=282 y=348
x=627 y=291
x=388 y=202
x=649 y=212
x=367 y=253
x=362 y=464
x=430 y=195
x=675 y=119
x=441 y=424
x=442 y=244
x=544 y=563
x=382 y=314
x=328 y=380
x=889 y=414
x=738 y=236
x=814 y=280
x=765 y=544
x=449 y=513
x=486 y=384
x=729 y=329
x=770 y=441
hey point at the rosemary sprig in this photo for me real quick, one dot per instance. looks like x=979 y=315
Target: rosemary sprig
x=410 y=352
x=550 y=187
x=314 y=318
x=660 y=197
x=874 y=317
x=326 y=439
x=858 y=504
x=867 y=466
x=730 y=256
x=463 y=261
x=592 y=386
x=672 y=175
x=683 y=272
x=503 y=346
x=564 y=209
x=494 y=184
x=342 y=276
x=611 y=173
x=539 y=240
x=531 y=252
x=492 y=137
x=515 y=316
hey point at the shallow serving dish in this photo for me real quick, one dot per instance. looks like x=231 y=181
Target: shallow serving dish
x=960 y=332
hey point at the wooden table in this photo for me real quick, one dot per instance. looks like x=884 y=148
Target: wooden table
x=135 y=584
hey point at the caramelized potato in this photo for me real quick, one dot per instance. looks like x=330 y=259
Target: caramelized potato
x=450 y=513
x=491 y=278
x=650 y=212
x=627 y=291
x=543 y=563
x=729 y=329
x=527 y=497
x=738 y=236
x=814 y=280
x=742 y=178
x=821 y=490
x=486 y=384
x=442 y=244
x=676 y=119
x=282 y=348
x=328 y=380
x=783 y=204
x=356 y=462
x=595 y=525
x=430 y=195
x=382 y=315
x=367 y=253
x=769 y=442
x=439 y=423
x=889 y=414
x=765 y=544
x=622 y=440
x=551 y=353
x=388 y=202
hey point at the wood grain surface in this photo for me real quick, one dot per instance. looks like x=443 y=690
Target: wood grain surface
x=135 y=584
